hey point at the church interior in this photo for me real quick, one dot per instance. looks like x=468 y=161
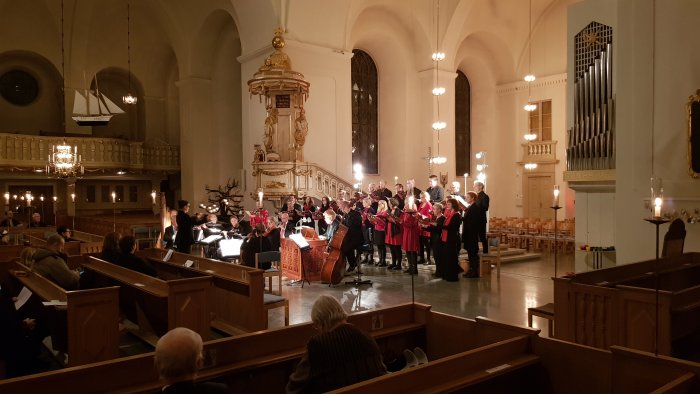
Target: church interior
x=581 y=119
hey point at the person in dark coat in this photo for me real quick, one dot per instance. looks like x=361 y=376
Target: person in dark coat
x=110 y=248
x=184 y=238
x=254 y=243
x=129 y=260
x=482 y=201
x=340 y=355
x=471 y=225
x=435 y=230
x=450 y=241
x=354 y=239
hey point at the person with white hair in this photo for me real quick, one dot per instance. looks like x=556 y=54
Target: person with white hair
x=340 y=355
x=178 y=358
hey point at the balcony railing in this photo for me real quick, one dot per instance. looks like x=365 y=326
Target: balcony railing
x=280 y=179
x=540 y=152
x=31 y=151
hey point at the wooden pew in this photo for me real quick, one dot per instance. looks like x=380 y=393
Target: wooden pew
x=617 y=306
x=156 y=305
x=10 y=252
x=237 y=293
x=18 y=235
x=263 y=361
x=86 y=328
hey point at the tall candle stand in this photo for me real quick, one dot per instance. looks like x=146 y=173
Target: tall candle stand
x=555 y=208
x=656 y=221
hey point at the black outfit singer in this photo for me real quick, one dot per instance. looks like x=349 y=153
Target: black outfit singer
x=450 y=241
x=471 y=225
x=353 y=239
x=482 y=202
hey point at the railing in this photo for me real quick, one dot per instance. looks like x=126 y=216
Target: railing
x=18 y=150
x=540 y=152
x=280 y=179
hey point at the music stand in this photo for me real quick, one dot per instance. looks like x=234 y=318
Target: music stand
x=358 y=281
x=230 y=248
x=304 y=246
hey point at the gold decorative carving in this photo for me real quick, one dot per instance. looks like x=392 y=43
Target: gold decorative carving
x=590 y=176
x=275 y=185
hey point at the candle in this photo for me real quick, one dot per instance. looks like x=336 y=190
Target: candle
x=72 y=197
x=556 y=196
x=657 y=207
x=29 y=199
x=260 y=196
x=466 y=174
x=7 y=198
x=396 y=180
x=41 y=198
x=55 y=198
x=114 y=197
x=153 y=197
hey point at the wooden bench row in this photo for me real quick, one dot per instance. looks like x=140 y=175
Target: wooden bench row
x=465 y=355
x=618 y=306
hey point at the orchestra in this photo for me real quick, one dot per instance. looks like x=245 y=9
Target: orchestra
x=426 y=226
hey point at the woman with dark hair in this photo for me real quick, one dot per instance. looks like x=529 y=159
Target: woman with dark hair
x=110 y=248
x=393 y=236
x=255 y=243
x=184 y=237
x=129 y=260
x=450 y=241
x=325 y=205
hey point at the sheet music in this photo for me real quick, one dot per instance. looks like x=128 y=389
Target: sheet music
x=168 y=255
x=300 y=241
x=55 y=303
x=22 y=297
x=230 y=247
x=212 y=238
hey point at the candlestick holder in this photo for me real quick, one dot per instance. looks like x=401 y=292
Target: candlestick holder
x=555 y=208
x=656 y=221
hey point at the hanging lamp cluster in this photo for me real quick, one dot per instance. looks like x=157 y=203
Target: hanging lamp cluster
x=530 y=77
x=437 y=56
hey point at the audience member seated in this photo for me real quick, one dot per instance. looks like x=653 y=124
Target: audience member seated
x=127 y=259
x=66 y=233
x=49 y=264
x=255 y=242
x=26 y=256
x=340 y=355
x=10 y=221
x=36 y=220
x=178 y=357
x=110 y=248
x=20 y=342
x=4 y=237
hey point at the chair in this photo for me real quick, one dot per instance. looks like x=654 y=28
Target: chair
x=143 y=237
x=674 y=239
x=272 y=257
x=271 y=301
x=494 y=244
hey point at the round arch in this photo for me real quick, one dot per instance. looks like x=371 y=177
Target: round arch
x=113 y=83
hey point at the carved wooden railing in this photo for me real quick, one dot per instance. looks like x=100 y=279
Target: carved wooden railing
x=280 y=179
x=540 y=152
x=32 y=151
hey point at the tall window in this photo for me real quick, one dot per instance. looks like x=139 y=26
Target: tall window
x=541 y=121
x=364 y=111
x=463 y=124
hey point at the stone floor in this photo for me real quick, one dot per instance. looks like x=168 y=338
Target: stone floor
x=521 y=285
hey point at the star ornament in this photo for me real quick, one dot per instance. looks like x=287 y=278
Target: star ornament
x=592 y=39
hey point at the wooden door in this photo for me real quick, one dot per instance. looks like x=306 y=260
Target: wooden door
x=539 y=196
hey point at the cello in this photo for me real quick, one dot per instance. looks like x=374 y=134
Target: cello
x=334 y=261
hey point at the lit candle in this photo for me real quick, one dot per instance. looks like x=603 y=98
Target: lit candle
x=657 y=207
x=29 y=199
x=153 y=197
x=55 y=198
x=41 y=198
x=72 y=197
x=396 y=180
x=7 y=198
x=556 y=195
x=260 y=196
x=466 y=174
x=114 y=198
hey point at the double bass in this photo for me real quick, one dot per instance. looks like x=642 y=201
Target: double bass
x=334 y=261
